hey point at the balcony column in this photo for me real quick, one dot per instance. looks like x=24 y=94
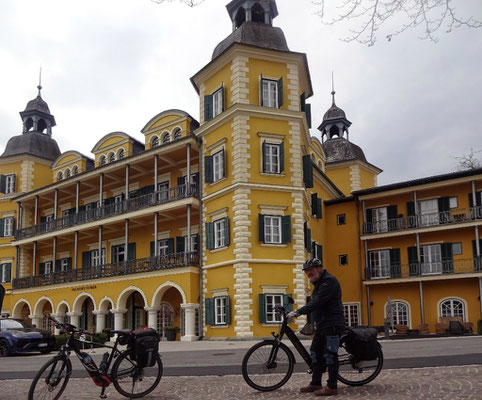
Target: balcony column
x=100 y=320
x=156 y=247
x=77 y=196
x=156 y=177
x=422 y=310
x=56 y=202
x=126 y=241
x=188 y=245
x=480 y=295
x=74 y=318
x=369 y=305
x=100 y=245
x=34 y=258
x=36 y=320
x=127 y=183
x=118 y=318
x=35 y=214
x=54 y=252
x=152 y=317
x=189 y=322
x=101 y=189
x=19 y=207
x=188 y=169
x=76 y=249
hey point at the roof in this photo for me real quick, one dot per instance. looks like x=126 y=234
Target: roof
x=37 y=104
x=420 y=181
x=340 y=149
x=32 y=143
x=254 y=34
x=334 y=112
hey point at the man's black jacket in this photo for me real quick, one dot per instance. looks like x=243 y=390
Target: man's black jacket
x=326 y=306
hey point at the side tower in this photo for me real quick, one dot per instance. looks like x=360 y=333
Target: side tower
x=346 y=164
x=255 y=136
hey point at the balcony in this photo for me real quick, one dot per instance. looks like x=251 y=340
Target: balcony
x=452 y=217
x=110 y=210
x=401 y=271
x=149 y=264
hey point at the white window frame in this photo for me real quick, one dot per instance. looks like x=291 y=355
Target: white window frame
x=3 y=272
x=163 y=189
x=118 y=203
x=218 y=166
x=94 y=257
x=8 y=226
x=341 y=219
x=48 y=265
x=351 y=312
x=220 y=310
x=270 y=93
x=272 y=158
x=219 y=236
x=380 y=219
x=379 y=262
x=431 y=259
x=453 y=312
x=166 y=138
x=457 y=248
x=218 y=102
x=272 y=229
x=429 y=212
x=9 y=183
x=163 y=247
x=194 y=239
x=271 y=301
x=118 y=252
x=400 y=313
x=155 y=142
x=453 y=202
x=64 y=264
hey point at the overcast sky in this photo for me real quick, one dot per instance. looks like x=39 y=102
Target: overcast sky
x=111 y=65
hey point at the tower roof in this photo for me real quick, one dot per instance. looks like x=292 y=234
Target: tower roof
x=339 y=150
x=38 y=104
x=34 y=144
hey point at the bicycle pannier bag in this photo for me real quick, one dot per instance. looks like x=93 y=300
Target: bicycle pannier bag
x=308 y=329
x=144 y=345
x=362 y=343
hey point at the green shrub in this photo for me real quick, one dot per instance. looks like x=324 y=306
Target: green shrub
x=60 y=340
x=99 y=338
x=479 y=327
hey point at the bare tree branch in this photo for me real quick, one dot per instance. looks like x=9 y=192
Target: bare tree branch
x=469 y=161
x=371 y=15
x=190 y=3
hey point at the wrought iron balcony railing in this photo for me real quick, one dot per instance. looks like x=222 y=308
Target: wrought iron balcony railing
x=454 y=216
x=149 y=264
x=397 y=271
x=110 y=210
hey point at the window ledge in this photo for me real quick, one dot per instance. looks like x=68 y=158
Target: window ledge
x=219 y=326
x=273 y=245
x=274 y=175
x=214 y=183
x=219 y=249
x=270 y=324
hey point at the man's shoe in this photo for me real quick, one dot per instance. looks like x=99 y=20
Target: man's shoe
x=326 y=391
x=310 y=388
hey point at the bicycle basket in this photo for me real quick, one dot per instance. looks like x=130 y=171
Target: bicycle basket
x=361 y=342
x=144 y=346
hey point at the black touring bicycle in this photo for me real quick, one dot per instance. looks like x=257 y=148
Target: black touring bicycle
x=268 y=365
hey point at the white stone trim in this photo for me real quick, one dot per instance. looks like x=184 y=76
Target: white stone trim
x=274 y=289
x=239 y=80
x=293 y=86
x=27 y=172
x=272 y=210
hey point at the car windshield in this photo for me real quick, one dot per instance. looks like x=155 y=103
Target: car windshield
x=13 y=324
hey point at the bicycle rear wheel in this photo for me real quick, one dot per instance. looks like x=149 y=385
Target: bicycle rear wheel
x=268 y=365
x=51 y=380
x=357 y=373
x=132 y=381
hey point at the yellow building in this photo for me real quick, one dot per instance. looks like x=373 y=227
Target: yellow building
x=206 y=225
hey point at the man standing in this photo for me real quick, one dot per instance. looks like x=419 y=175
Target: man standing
x=326 y=308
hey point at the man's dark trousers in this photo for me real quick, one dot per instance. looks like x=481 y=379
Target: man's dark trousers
x=324 y=355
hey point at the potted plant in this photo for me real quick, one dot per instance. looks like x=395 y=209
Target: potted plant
x=171 y=332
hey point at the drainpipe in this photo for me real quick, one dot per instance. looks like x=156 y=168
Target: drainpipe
x=422 y=311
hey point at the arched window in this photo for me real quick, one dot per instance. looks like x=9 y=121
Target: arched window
x=67 y=173
x=165 y=318
x=452 y=308
x=166 y=138
x=75 y=170
x=240 y=17
x=41 y=125
x=155 y=141
x=400 y=313
x=257 y=13
x=60 y=176
x=111 y=157
x=177 y=134
x=28 y=124
x=334 y=131
x=121 y=154
x=103 y=160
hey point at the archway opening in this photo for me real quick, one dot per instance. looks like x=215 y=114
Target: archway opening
x=257 y=13
x=136 y=316
x=86 y=320
x=240 y=17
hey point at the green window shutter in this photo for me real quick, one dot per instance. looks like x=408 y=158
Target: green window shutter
x=395 y=263
x=307 y=171
x=413 y=261
x=2 y=227
x=447 y=258
x=86 y=259
x=471 y=200
x=286 y=304
x=265 y=161
x=3 y=183
x=224 y=163
x=208 y=169
x=392 y=215
x=261 y=227
x=262 y=308
x=41 y=269
x=319 y=209
x=226 y=231
x=282 y=157
x=8 y=273
x=303 y=102
x=57 y=266
x=228 y=310
x=317 y=251
x=208 y=107
x=131 y=251
x=412 y=218
x=15 y=183
x=170 y=245
x=286 y=229
x=261 y=90
x=314 y=197
x=209 y=312
x=152 y=249
x=444 y=210
x=179 y=244
x=69 y=264
x=308 y=114
x=223 y=100
x=209 y=235
x=307 y=238
x=280 y=92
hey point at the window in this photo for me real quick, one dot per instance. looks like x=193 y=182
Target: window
x=431 y=259
x=177 y=134
x=48 y=267
x=118 y=203
x=272 y=93
x=272 y=158
x=75 y=170
x=429 y=212
x=272 y=229
x=218 y=102
x=94 y=258
x=111 y=157
x=457 y=248
x=155 y=142
x=10 y=184
x=218 y=166
x=273 y=300
x=219 y=233
x=121 y=154
x=452 y=308
x=60 y=176
x=163 y=189
x=352 y=314
x=165 y=318
x=64 y=264
x=379 y=220
x=453 y=202
x=103 y=160
x=316 y=206
x=400 y=315
x=7 y=226
x=194 y=239
x=214 y=104
x=220 y=310
x=166 y=138
x=341 y=219
x=67 y=173
x=163 y=247
x=118 y=253
x=5 y=272
x=379 y=262
x=343 y=259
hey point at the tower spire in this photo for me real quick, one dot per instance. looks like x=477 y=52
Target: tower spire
x=39 y=87
x=333 y=87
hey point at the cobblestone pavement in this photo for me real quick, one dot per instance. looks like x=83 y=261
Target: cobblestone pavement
x=451 y=383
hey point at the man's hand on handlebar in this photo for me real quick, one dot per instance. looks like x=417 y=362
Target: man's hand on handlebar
x=292 y=314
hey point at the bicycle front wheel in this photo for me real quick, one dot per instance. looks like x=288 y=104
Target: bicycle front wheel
x=51 y=380
x=357 y=373
x=268 y=365
x=130 y=380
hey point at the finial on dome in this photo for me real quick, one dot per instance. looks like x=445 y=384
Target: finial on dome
x=333 y=87
x=39 y=87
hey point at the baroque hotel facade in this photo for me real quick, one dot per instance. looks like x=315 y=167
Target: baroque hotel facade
x=206 y=225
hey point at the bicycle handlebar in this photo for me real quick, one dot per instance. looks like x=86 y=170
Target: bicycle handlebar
x=68 y=327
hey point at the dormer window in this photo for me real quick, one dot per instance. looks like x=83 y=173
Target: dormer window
x=75 y=170
x=67 y=173
x=177 y=134
x=155 y=142
x=166 y=138
x=102 y=160
x=257 y=13
x=111 y=157
x=121 y=154
x=60 y=176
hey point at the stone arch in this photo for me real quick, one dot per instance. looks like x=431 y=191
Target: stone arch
x=166 y=137
x=39 y=305
x=41 y=125
x=176 y=133
x=121 y=153
x=18 y=307
x=111 y=157
x=62 y=308
x=104 y=303
x=77 y=304
x=124 y=295
x=60 y=175
x=156 y=298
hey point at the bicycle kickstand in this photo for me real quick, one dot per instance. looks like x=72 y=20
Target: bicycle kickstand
x=102 y=394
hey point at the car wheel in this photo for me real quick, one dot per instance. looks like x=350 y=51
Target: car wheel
x=4 y=349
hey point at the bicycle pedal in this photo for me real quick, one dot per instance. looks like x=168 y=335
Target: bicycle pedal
x=103 y=396
x=310 y=371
